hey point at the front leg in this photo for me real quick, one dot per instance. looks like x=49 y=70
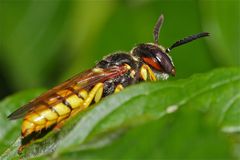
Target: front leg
x=147 y=73
x=118 y=88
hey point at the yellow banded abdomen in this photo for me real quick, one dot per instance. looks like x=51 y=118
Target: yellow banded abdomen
x=53 y=111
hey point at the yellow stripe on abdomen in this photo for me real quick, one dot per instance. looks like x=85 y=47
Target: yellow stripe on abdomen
x=61 y=109
x=45 y=116
x=74 y=101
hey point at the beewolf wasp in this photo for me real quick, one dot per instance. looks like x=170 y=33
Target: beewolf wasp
x=146 y=61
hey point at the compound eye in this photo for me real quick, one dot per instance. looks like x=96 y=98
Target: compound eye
x=152 y=62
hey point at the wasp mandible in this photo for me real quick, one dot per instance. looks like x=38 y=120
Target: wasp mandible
x=147 y=61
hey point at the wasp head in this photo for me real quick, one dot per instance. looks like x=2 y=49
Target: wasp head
x=156 y=56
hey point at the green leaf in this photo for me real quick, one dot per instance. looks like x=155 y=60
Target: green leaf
x=212 y=98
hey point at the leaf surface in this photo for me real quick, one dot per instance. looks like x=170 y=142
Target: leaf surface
x=213 y=97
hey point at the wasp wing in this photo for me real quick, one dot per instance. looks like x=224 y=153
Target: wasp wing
x=84 y=80
x=21 y=112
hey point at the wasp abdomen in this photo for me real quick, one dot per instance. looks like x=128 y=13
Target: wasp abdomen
x=54 y=110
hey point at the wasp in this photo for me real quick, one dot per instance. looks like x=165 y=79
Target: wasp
x=145 y=62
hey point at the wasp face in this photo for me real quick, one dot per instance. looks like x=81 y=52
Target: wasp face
x=155 y=57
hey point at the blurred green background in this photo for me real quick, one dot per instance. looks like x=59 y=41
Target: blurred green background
x=42 y=43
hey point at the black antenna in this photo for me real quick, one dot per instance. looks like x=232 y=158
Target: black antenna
x=187 y=39
x=157 y=28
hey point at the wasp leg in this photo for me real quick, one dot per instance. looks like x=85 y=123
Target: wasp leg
x=95 y=94
x=20 y=149
x=58 y=127
x=146 y=72
x=99 y=93
x=118 y=88
x=143 y=73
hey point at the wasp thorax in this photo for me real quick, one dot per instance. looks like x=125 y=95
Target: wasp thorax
x=155 y=57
